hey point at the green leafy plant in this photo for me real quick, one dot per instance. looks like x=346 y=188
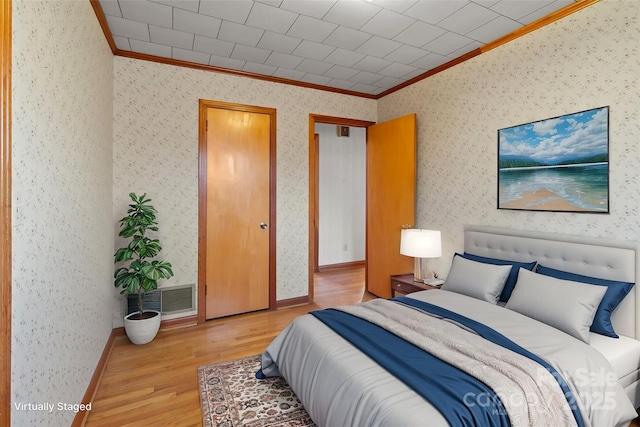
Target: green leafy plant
x=142 y=274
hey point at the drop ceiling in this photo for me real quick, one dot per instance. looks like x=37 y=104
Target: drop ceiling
x=365 y=48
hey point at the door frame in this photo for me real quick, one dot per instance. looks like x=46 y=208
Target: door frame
x=202 y=197
x=314 y=177
x=5 y=214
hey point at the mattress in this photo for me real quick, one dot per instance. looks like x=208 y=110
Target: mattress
x=622 y=353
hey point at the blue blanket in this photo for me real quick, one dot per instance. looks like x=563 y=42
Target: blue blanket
x=438 y=382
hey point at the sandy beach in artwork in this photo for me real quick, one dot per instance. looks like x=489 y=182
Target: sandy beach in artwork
x=542 y=199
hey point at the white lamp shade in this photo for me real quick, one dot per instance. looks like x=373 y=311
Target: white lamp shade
x=420 y=243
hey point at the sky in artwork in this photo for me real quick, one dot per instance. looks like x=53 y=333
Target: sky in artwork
x=573 y=136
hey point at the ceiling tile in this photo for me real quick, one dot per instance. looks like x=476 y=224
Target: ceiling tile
x=340 y=72
x=378 y=46
x=344 y=57
x=365 y=88
x=350 y=13
x=315 y=79
x=191 y=56
x=311 y=29
x=110 y=7
x=465 y=49
x=366 y=77
x=519 y=9
x=147 y=12
x=282 y=60
x=387 y=24
x=191 y=5
x=221 y=61
x=213 y=46
x=434 y=11
x=236 y=33
x=313 y=8
x=271 y=18
x=170 y=37
x=184 y=20
x=431 y=61
x=346 y=38
x=150 y=48
x=122 y=43
x=419 y=34
x=540 y=13
x=250 y=53
x=406 y=54
x=447 y=43
x=388 y=82
x=274 y=3
x=397 y=70
x=399 y=6
x=468 y=18
x=263 y=69
x=124 y=28
x=340 y=84
x=313 y=50
x=494 y=29
x=289 y=74
x=313 y=66
x=231 y=10
x=371 y=64
x=278 y=42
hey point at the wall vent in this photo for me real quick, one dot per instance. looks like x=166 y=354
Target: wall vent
x=169 y=300
x=178 y=299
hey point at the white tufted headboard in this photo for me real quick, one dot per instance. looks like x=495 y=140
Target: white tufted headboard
x=603 y=258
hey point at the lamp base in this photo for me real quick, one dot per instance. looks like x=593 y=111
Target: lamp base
x=420 y=270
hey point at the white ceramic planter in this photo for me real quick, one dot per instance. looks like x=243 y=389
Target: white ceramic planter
x=142 y=331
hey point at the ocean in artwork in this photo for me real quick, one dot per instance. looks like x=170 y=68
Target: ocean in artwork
x=565 y=188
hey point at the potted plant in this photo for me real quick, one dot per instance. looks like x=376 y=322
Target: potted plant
x=141 y=274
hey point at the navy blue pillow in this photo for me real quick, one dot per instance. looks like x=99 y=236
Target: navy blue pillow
x=513 y=275
x=616 y=291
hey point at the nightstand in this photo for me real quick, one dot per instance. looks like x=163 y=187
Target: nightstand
x=403 y=284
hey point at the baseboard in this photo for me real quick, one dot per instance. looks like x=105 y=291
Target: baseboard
x=81 y=416
x=286 y=303
x=341 y=265
x=180 y=322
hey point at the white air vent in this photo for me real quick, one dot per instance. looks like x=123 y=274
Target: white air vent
x=178 y=299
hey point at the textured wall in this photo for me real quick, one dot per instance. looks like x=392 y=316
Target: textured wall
x=156 y=151
x=62 y=196
x=586 y=60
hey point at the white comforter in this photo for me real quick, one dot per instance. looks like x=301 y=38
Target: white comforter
x=340 y=386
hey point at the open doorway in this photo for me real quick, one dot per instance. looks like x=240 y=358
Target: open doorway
x=341 y=176
x=390 y=197
x=322 y=128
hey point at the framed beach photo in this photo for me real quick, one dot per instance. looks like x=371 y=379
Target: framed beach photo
x=559 y=164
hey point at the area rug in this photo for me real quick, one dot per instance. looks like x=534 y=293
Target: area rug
x=231 y=396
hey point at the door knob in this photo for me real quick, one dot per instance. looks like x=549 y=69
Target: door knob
x=263 y=225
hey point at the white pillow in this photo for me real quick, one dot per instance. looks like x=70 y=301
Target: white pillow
x=564 y=304
x=476 y=279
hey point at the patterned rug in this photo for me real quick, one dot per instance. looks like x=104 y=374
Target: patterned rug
x=231 y=396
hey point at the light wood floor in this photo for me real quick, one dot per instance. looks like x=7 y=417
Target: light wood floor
x=156 y=384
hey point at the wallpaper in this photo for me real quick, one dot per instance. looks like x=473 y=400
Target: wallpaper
x=62 y=200
x=155 y=150
x=586 y=60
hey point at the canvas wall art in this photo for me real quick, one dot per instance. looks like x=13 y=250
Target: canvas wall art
x=559 y=164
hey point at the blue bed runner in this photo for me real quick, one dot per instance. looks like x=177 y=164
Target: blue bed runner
x=442 y=384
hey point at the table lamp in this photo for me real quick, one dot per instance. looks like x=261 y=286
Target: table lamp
x=420 y=244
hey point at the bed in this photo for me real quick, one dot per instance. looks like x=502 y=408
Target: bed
x=570 y=375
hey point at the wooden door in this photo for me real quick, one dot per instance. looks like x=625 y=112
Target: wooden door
x=237 y=211
x=391 y=195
